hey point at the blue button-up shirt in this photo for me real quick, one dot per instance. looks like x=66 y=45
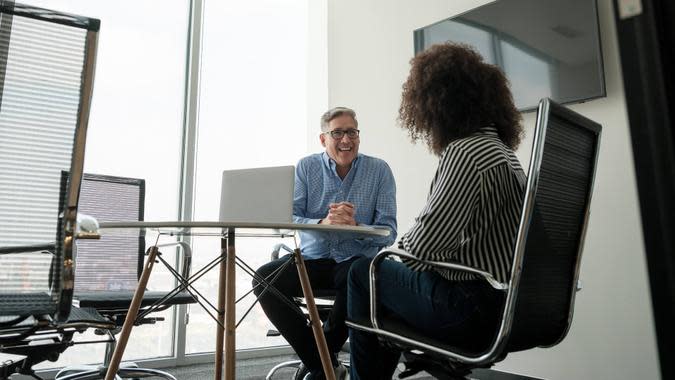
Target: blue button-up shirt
x=369 y=185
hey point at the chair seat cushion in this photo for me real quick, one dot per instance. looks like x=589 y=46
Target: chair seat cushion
x=37 y=303
x=122 y=299
x=87 y=315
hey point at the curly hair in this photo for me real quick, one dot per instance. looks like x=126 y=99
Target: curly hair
x=451 y=93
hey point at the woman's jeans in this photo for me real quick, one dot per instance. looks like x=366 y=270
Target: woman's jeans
x=453 y=311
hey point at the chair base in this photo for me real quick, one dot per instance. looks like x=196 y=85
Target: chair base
x=439 y=369
x=288 y=364
x=126 y=371
x=297 y=364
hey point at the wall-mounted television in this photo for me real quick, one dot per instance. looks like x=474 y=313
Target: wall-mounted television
x=546 y=48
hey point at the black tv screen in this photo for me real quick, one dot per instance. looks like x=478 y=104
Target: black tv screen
x=546 y=48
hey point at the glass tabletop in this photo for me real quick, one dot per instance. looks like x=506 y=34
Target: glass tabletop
x=243 y=228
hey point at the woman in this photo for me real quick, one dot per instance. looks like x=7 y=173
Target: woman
x=463 y=109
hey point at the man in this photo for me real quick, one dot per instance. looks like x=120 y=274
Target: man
x=339 y=186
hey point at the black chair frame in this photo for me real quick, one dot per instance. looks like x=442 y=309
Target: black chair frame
x=38 y=326
x=113 y=305
x=452 y=362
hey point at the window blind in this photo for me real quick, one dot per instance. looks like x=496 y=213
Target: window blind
x=41 y=79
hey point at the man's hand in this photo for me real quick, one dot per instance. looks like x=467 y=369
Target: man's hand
x=340 y=213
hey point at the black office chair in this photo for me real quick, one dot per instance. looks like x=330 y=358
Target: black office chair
x=324 y=302
x=46 y=80
x=544 y=276
x=108 y=269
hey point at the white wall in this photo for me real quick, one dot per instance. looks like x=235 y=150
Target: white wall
x=317 y=70
x=369 y=46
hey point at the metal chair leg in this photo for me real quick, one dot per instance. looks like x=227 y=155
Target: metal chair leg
x=288 y=364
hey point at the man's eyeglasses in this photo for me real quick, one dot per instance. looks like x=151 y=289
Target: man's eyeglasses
x=338 y=134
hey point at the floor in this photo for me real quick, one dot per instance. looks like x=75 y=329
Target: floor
x=258 y=368
x=247 y=369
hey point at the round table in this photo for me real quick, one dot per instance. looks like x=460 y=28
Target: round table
x=226 y=285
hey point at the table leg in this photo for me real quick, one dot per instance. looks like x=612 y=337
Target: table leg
x=230 y=295
x=131 y=315
x=314 y=319
x=221 y=312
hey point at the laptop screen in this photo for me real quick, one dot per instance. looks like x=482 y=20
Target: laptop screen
x=263 y=195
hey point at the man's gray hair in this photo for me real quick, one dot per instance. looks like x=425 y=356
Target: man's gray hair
x=336 y=112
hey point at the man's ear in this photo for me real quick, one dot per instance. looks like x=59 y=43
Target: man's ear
x=322 y=137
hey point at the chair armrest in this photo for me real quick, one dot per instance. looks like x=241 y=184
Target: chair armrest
x=37 y=248
x=187 y=256
x=374 y=328
x=277 y=248
x=392 y=251
x=440 y=264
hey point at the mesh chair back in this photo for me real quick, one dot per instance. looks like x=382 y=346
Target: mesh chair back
x=113 y=262
x=46 y=78
x=562 y=175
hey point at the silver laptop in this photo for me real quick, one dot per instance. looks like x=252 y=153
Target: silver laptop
x=263 y=195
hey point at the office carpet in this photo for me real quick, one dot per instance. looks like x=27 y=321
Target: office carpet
x=247 y=369
x=257 y=368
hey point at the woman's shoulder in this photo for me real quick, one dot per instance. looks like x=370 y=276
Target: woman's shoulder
x=483 y=150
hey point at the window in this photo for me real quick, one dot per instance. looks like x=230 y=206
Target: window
x=136 y=124
x=253 y=108
x=253 y=112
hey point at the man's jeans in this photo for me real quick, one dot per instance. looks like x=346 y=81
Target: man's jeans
x=323 y=274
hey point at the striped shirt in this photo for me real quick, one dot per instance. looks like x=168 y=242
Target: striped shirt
x=369 y=185
x=473 y=208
